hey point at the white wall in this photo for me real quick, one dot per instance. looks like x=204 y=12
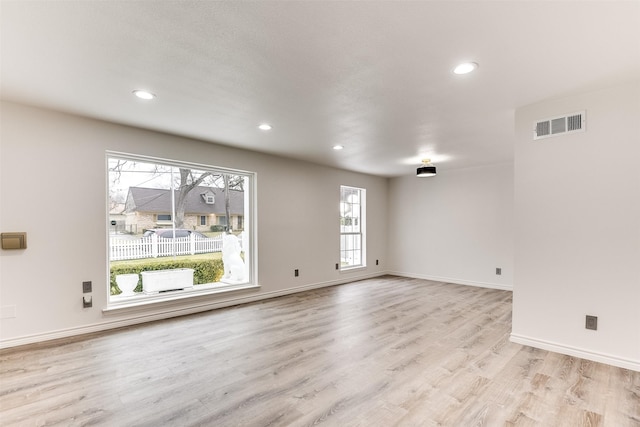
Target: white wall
x=577 y=229
x=454 y=227
x=53 y=186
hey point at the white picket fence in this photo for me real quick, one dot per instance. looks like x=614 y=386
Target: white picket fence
x=154 y=246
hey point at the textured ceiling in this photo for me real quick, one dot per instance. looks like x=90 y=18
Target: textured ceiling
x=373 y=76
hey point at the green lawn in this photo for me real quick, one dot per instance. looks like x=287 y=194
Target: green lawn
x=164 y=259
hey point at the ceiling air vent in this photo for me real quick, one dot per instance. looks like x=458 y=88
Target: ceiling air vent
x=574 y=122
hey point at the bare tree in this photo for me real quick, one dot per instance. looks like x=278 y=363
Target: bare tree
x=229 y=182
x=188 y=180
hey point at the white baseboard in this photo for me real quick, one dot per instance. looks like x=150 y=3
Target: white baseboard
x=151 y=313
x=608 y=359
x=453 y=280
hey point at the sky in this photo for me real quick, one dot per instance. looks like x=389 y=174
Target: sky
x=139 y=174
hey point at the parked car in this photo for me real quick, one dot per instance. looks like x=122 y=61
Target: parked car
x=167 y=233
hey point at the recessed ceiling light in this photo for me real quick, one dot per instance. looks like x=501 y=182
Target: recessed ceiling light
x=265 y=126
x=143 y=94
x=465 y=68
x=338 y=147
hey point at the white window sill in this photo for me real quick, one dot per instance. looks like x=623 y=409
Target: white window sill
x=119 y=303
x=354 y=268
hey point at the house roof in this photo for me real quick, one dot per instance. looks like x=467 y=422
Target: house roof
x=117 y=209
x=157 y=200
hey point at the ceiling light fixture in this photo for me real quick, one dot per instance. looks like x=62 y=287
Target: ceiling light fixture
x=265 y=126
x=465 y=68
x=143 y=94
x=338 y=147
x=426 y=170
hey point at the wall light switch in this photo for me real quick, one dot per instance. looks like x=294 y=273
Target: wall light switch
x=14 y=240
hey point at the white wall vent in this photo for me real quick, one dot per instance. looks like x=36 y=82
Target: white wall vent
x=569 y=123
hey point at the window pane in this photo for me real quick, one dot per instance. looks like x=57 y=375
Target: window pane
x=161 y=211
x=351 y=226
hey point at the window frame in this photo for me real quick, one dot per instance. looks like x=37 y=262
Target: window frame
x=358 y=221
x=250 y=214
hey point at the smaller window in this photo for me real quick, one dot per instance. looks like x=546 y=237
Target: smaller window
x=208 y=198
x=164 y=217
x=203 y=220
x=352 y=227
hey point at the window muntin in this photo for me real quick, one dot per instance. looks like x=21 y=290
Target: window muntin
x=158 y=184
x=352 y=230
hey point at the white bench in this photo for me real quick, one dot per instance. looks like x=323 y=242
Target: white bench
x=166 y=280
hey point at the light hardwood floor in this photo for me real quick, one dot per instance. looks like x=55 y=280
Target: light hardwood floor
x=380 y=352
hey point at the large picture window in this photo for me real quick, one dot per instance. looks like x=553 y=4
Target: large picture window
x=160 y=245
x=352 y=227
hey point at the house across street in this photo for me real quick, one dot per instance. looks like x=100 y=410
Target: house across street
x=149 y=208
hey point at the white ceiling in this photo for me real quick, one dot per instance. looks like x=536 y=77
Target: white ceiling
x=373 y=76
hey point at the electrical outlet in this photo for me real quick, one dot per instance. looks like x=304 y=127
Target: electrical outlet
x=337 y=266
x=295 y=272
x=498 y=271
x=86 y=287
x=87 y=301
x=376 y=262
x=591 y=322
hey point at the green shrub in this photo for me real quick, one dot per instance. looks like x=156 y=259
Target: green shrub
x=204 y=271
x=218 y=228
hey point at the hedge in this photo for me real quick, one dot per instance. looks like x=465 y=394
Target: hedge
x=204 y=271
